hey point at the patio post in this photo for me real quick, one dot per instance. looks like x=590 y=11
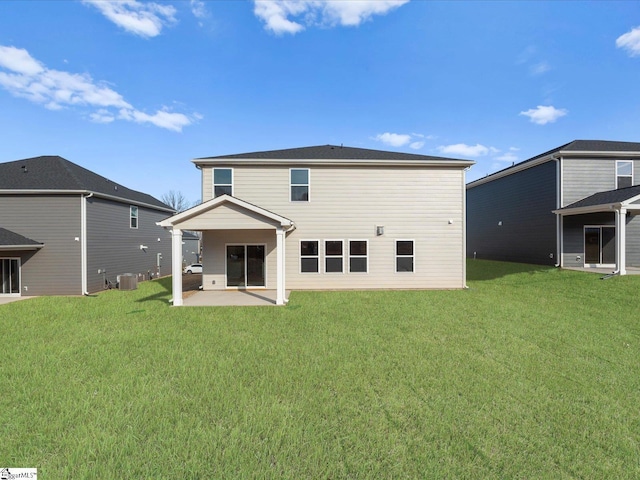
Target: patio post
x=176 y=266
x=621 y=243
x=280 y=266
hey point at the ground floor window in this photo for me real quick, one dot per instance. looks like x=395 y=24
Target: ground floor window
x=309 y=256
x=334 y=256
x=358 y=256
x=404 y=256
x=9 y=276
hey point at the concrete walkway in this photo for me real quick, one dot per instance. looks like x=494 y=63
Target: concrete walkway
x=232 y=298
x=604 y=271
x=9 y=299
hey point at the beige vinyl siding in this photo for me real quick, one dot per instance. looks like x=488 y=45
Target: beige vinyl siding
x=214 y=245
x=229 y=217
x=55 y=221
x=584 y=177
x=348 y=203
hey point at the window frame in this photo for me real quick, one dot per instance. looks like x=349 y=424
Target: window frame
x=412 y=256
x=308 y=185
x=133 y=217
x=316 y=256
x=618 y=176
x=327 y=256
x=214 y=184
x=366 y=256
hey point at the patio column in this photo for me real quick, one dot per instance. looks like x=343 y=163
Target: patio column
x=621 y=241
x=176 y=266
x=280 y=266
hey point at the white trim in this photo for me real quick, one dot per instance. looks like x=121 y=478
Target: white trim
x=264 y=262
x=357 y=256
x=13 y=191
x=625 y=176
x=452 y=163
x=19 y=294
x=621 y=241
x=214 y=202
x=559 y=220
x=83 y=245
x=327 y=256
x=176 y=266
x=308 y=185
x=396 y=256
x=280 y=266
x=213 y=180
x=16 y=248
x=301 y=256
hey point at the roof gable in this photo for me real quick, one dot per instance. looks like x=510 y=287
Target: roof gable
x=57 y=173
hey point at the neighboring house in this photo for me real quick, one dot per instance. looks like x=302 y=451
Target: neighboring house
x=327 y=217
x=190 y=248
x=574 y=206
x=65 y=230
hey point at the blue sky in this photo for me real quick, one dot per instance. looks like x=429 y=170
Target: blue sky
x=134 y=90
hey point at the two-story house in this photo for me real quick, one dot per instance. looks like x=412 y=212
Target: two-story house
x=65 y=230
x=573 y=206
x=327 y=217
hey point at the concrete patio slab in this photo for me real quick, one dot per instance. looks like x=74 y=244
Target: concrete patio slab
x=232 y=298
x=4 y=300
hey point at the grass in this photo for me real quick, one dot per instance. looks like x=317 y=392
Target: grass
x=530 y=373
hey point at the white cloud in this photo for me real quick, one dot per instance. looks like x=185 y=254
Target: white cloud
x=465 y=150
x=143 y=19
x=56 y=89
x=393 y=139
x=199 y=9
x=539 y=68
x=416 y=145
x=282 y=16
x=508 y=157
x=630 y=41
x=541 y=115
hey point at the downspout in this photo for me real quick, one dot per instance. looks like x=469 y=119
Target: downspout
x=464 y=228
x=83 y=242
x=559 y=218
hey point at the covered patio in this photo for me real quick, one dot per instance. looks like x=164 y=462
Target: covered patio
x=243 y=252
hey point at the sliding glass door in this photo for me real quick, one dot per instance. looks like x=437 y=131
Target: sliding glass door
x=9 y=276
x=245 y=266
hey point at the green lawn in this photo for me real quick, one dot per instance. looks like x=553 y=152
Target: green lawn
x=530 y=373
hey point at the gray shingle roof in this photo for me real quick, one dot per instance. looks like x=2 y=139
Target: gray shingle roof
x=329 y=152
x=9 y=238
x=57 y=173
x=606 y=198
x=575 y=146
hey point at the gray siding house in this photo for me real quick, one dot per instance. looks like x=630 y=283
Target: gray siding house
x=573 y=206
x=327 y=217
x=65 y=230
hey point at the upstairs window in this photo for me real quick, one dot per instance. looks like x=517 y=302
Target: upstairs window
x=624 y=173
x=222 y=182
x=299 y=180
x=133 y=217
x=404 y=256
x=309 y=256
x=358 y=259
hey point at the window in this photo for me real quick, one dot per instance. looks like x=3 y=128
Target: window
x=624 y=173
x=133 y=217
x=309 y=256
x=299 y=184
x=358 y=261
x=333 y=256
x=404 y=255
x=222 y=182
